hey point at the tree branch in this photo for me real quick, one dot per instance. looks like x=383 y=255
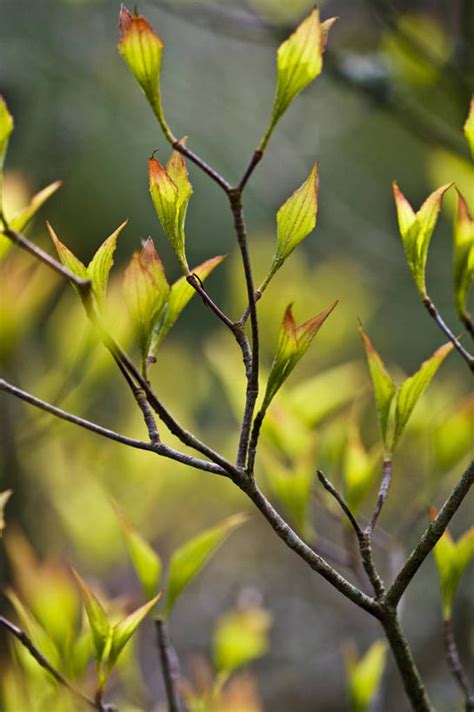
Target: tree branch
x=430 y=537
x=382 y=495
x=211 y=172
x=169 y=665
x=434 y=313
x=455 y=664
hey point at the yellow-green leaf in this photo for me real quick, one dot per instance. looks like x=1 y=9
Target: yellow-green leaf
x=123 y=631
x=189 y=559
x=452 y=558
x=4 y=497
x=384 y=388
x=6 y=128
x=299 y=61
x=416 y=230
x=469 y=127
x=241 y=636
x=145 y=560
x=97 y=618
x=296 y=218
x=360 y=469
x=99 y=267
x=293 y=342
x=463 y=256
x=413 y=387
x=364 y=675
x=20 y=221
x=67 y=257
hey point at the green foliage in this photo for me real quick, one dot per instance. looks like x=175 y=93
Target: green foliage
x=360 y=468
x=463 y=256
x=145 y=560
x=364 y=674
x=452 y=558
x=240 y=637
x=4 y=497
x=469 y=127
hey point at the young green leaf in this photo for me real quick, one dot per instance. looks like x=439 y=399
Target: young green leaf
x=100 y=626
x=293 y=342
x=384 y=388
x=170 y=191
x=452 y=558
x=4 y=497
x=360 y=469
x=469 y=127
x=189 y=559
x=67 y=257
x=296 y=219
x=364 y=675
x=416 y=230
x=241 y=636
x=411 y=390
x=123 y=631
x=299 y=61
x=99 y=267
x=179 y=295
x=145 y=560
x=6 y=128
x=463 y=256
x=20 y=221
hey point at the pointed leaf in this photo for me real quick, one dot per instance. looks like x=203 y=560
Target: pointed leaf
x=411 y=390
x=452 y=559
x=293 y=342
x=67 y=257
x=296 y=218
x=124 y=630
x=360 y=469
x=384 y=388
x=6 y=128
x=180 y=294
x=416 y=230
x=96 y=615
x=299 y=61
x=142 y=50
x=469 y=127
x=145 y=560
x=364 y=675
x=241 y=636
x=4 y=497
x=189 y=559
x=99 y=267
x=463 y=256
x=20 y=221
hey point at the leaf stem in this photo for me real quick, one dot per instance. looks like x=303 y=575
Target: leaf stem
x=434 y=313
x=382 y=495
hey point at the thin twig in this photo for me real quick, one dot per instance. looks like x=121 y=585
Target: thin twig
x=455 y=665
x=27 y=643
x=341 y=502
x=195 y=283
x=382 y=495
x=211 y=172
x=254 y=161
x=169 y=665
x=430 y=537
x=434 y=313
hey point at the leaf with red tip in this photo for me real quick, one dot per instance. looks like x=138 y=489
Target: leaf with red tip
x=463 y=256
x=416 y=230
x=142 y=50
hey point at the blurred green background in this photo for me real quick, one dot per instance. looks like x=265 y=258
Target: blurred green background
x=390 y=104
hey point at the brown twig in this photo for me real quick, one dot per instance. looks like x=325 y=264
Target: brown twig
x=382 y=495
x=169 y=665
x=455 y=665
x=434 y=313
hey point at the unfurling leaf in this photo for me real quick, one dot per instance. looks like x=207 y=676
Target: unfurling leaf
x=364 y=674
x=189 y=559
x=170 y=191
x=98 y=621
x=384 y=387
x=123 y=631
x=179 y=295
x=4 y=497
x=145 y=560
x=146 y=291
x=293 y=342
x=142 y=50
x=452 y=558
x=411 y=390
x=463 y=256
x=296 y=218
x=360 y=469
x=469 y=127
x=416 y=230
x=241 y=636
x=299 y=61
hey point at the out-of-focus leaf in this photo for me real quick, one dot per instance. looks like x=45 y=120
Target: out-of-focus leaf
x=292 y=487
x=416 y=230
x=145 y=560
x=20 y=220
x=296 y=219
x=412 y=388
x=4 y=497
x=99 y=623
x=463 y=256
x=28 y=622
x=170 y=191
x=299 y=61
x=364 y=674
x=452 y=436
x=452 y=558
x=293 y=342
x=123 y=631
x=240 y=637
x=189 y=559
x=99 y=267
x=360 y=470
x=179 y=295
x=469 y=127
x=6 y=128
x=384 y=387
